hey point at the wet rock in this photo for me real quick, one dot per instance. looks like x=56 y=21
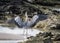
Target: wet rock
x=57 y=37
x=57 y=26
x=55 y=11
x=48 y=40
x=30 y=37
x=46 y=34
x=31 y=1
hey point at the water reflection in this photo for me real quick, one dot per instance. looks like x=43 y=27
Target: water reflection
x=19 y=31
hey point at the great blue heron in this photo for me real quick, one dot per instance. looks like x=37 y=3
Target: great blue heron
x=29 y=22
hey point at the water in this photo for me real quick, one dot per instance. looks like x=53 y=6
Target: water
x=9 y=41
x=21 y=32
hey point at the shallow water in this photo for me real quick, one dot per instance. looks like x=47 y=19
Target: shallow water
x=9 y=41
x=18 y=31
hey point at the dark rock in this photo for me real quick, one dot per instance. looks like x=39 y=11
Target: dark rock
x=14 y=10
x=48 y=40
x=57 y=27
x=57 y=37
x=54 y=11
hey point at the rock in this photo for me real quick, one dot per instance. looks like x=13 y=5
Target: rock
x=56 y=26
x=57 y=37
x=48 y=40
x=31 y=1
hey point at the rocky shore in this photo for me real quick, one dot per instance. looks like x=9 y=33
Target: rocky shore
x=50 y=26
